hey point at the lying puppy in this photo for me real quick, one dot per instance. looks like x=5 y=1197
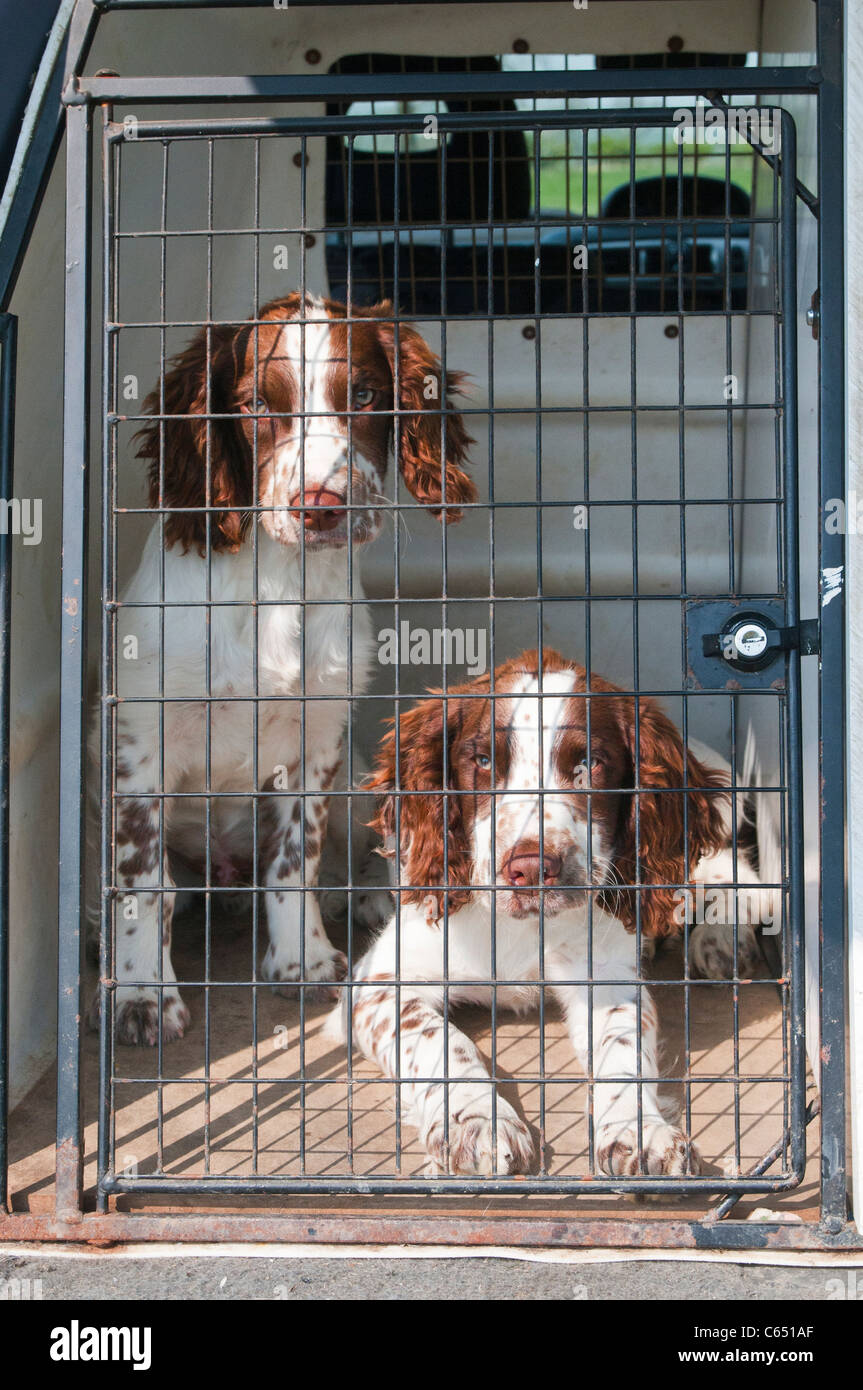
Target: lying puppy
x=559 y=876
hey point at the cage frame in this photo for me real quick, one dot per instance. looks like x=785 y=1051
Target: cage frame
x=110 y=1182
x=81 y=98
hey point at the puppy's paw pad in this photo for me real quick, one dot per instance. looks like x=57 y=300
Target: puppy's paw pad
x=137 y=1021
x=711 y=951
x=317 y=980
x=665 y=1151
x=471 y=1150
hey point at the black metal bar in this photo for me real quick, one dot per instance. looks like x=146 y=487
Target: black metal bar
x=416 y=1227
x=73 y=662
x=486 y=1186
x=256 y=734
x=480 y=887
x=493 y=225
x=239 y=127
x=713 y=501
x=299 y=1079
x=833 y=713
x=791 y=525
x=112 y=5
x=414 y=86
x=296 y=699
x=163 y=449
x=107 y=711
x=8 y=346
x=45 y=141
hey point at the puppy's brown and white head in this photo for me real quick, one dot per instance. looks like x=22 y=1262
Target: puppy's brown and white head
x=297 y=415
x=547 y=790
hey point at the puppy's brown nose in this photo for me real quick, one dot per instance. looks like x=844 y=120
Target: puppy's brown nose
x=524 y=868
x=322 y=509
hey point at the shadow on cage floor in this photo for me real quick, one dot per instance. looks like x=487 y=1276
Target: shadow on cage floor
x=206 y=1117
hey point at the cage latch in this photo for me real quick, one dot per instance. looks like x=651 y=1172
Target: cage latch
x=752 y=640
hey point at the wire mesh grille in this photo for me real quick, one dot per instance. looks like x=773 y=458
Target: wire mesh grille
x=528 y=175
x=615 y=297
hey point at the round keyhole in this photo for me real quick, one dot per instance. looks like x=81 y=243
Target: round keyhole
x=750 y=640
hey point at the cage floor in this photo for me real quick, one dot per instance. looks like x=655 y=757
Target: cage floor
x=211 y=1127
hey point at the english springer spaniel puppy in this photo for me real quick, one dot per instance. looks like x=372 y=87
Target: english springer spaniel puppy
x=268 y=455
x=543 y=836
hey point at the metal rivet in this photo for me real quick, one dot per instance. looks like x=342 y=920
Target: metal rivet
x=299 y=161
x=309 y=240
x=671 y=330
x=528 y=332
x=675 y=44
x=520 y=46
x=313 y=55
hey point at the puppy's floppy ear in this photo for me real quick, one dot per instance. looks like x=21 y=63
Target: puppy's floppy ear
x=432 y=440
x=652 y=833
x=178 y=470
x=418 y=818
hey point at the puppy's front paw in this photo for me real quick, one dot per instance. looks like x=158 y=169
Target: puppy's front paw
x=366 y=908
x=711 y=951
x=474 y=1150
x=137 y=1017
x=665 y=1150
x=372 y=908
x=317 y=978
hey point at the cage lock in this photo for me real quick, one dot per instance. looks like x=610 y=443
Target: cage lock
x=753 y=640
x=731 y=646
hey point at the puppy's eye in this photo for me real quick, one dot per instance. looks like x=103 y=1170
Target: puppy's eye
x=482 y=760
x=363 y=396
x=256 y=407
x=584 y=770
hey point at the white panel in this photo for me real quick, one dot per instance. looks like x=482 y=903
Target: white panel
x=276 y=41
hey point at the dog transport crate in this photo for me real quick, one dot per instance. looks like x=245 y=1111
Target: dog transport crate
x=561 y=217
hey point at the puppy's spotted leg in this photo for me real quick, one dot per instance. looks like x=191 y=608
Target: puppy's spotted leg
x=299 y=949
x=615 y=1039
x=465 y=1126
x=143 y=914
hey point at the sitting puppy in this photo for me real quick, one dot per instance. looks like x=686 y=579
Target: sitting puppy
x=268 y=459
x=542 y=839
